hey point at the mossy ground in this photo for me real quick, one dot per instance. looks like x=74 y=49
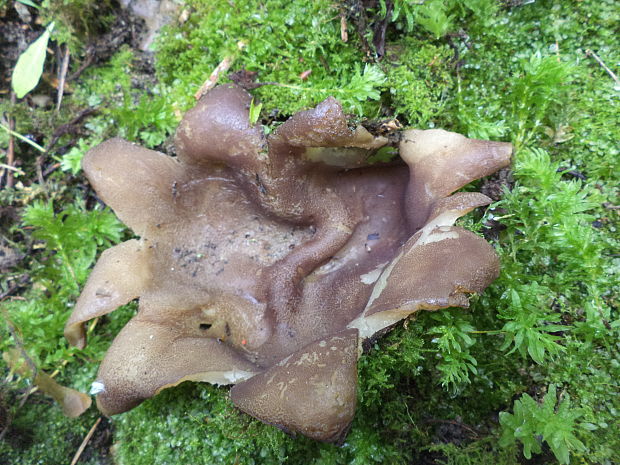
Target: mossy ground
x=431 y=391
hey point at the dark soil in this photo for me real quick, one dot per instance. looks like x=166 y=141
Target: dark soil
x=494 y=185
x=126 y=29
x=100 y=444
x=15 y=36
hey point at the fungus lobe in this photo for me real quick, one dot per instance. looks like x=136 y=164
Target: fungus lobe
x=266 y=261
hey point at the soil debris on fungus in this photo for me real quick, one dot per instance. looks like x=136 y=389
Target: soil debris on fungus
x=255 y=266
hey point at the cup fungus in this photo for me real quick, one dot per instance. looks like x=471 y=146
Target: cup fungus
x=266 y=261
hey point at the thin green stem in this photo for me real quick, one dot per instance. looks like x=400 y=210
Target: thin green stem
x=24 y=139
x=67 y=261
x=11 y=168
x=495 y=331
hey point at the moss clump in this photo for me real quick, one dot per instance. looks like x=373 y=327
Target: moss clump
x=194 y=424
x=197 y=423
x=282 y=41
x=419 y=80
x=77 y=21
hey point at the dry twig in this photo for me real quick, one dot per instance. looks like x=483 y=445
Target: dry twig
x=67 y=128
x=224 y=65
x=10 y=155
x=475 y=434
x=213 y=78
x=90 y=58
x=89 y=435
x=344 y=35
x=603 y=65
x=63 y=76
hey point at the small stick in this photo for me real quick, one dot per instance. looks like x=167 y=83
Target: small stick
x=39 y=169
x=344 y=35
x=10 y=155
x=455 y=423
x=63 y=76
x=11 y=168
x=600 y=62
x=85 y=64
x=66 y=128
x=89 y=435
x=13 y=331
x=213 y=78
x=50 y=169
x=18 y=342
x=224 y=65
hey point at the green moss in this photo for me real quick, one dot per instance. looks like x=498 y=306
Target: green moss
x=193 y=424
x=132 y=104
x=281 y=41
x=419 y=81
x=77 y=21
x=593 y=376
x=28 y=442
x=109 y=81
x=197 y=423
x=481 y=452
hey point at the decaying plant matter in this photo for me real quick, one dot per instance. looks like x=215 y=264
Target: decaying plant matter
x=266 y=261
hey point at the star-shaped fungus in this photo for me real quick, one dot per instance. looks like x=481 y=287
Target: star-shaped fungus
x=266 y=261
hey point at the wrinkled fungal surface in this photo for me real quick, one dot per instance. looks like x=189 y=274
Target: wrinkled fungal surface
x=266 y=261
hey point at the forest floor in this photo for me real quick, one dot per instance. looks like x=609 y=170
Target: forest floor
x=529 y=374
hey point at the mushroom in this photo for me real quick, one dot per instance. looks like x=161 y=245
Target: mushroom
x=266 y=261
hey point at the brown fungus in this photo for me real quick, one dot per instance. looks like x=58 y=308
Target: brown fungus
x=266 y=261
